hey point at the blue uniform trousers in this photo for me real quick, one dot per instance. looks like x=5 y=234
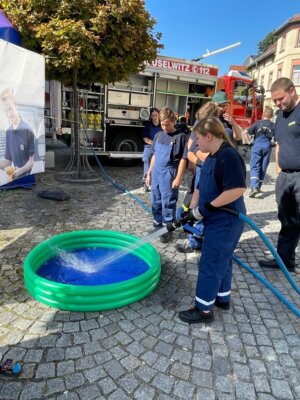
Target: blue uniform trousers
x=193 y=241
x=259 y=161
x=215 y=266
x=163 y=196
x=146 y=159
x=222 y=232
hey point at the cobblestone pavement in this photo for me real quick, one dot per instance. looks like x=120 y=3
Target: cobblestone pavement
x=143 y=351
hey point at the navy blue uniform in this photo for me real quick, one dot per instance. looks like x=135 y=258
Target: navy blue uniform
x=287 y=136
x=19 y=144
x=149 y=132
x=263 y=132
x=222 y=171
x=169 y=149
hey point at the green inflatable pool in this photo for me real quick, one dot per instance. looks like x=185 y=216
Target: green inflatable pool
x=91 y=298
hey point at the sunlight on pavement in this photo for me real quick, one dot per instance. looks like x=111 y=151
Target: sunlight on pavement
x=8 y=236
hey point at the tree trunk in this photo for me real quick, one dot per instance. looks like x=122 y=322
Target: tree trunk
x=78 y=169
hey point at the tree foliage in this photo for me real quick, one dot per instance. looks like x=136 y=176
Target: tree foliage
x=103 y=40
x=264 y=44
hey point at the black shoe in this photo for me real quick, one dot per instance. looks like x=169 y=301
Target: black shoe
x=225 y=305
x=273 y=264
x=253 y=192
x=166 y=237
x=185 y=248
x=196 y=316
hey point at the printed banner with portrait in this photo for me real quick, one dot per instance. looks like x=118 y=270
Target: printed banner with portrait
x=22 y=128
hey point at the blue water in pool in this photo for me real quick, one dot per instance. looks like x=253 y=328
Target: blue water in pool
x=92 y=266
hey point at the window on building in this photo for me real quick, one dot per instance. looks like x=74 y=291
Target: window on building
x=298 y=39
x=262 y=80
x=283 y=41
x=296 y=75
x=270 y=80
x=279 y=73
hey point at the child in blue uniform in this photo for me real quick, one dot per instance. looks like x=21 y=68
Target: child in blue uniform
x=150 y=130
x=262 y=132
x=166 y=171
x=222 y=184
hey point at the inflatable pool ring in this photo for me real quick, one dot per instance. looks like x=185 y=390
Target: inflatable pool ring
x=66 y=296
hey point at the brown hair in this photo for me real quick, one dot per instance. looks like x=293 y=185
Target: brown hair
x=7 y=94
x=167 y=113
x=213 y=126
x=209 y=109
x=282 y=83
x=268 y=112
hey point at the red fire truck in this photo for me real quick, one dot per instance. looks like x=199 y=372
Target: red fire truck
x=113 y=115
x=246 y=98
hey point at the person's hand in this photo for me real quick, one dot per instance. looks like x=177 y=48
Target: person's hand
x=176 y=183
x=17 y=173
x=148 y=180
x=229 y=119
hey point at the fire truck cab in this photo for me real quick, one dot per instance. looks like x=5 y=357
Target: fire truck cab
x=246 y=98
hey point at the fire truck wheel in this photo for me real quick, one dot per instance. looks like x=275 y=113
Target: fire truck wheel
x=127 y=142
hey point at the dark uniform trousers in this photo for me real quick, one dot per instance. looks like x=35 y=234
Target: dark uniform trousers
x=288 y=201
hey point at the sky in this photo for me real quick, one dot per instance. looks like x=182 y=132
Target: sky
x=191 y=27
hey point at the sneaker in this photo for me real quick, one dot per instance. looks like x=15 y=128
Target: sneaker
x=185 y=248
x=225 y=305
x=273 y=264
x=195 y=316
x=253 y=192
x=166 y=237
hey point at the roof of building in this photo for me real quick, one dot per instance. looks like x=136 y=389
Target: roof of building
x=291 y=21
x=253 y=59
x=269 y=52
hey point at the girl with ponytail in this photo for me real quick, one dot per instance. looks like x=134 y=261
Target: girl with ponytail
x=222 y=184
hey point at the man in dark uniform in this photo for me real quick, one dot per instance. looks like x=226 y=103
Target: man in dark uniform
x=19 y=146
x=287 y=157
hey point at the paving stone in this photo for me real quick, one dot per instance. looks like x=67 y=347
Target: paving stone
x=107 y=385
x=33 y=390
x=65 y=368
x=74 y=380
x=73 y=352
x=90 y=393
x=261 y=384
x=163 y=383
x=202 y=378
x=182 y=355
x=45 y=371
x=163 y=348
x=245 y=391
x=181 y=371
x=241 y=371
x=144 y=392
x=57 y=354
x=146 y=373
x=114 y=369
x=34 y=356
x=281 y=389
x=131 y=362
x=223 y=384
x=129 y=383
x=54 y=386
x=10 y=390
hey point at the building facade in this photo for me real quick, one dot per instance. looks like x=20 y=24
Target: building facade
x=282 y=58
